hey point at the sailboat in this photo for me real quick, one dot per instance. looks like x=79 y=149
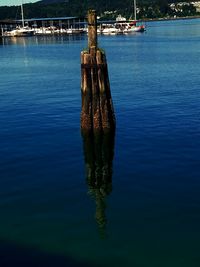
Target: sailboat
x=133 y=24
x=21 y=31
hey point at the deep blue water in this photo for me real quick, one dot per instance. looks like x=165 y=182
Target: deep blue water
x=47 y=209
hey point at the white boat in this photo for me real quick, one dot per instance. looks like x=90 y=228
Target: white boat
x=109 y=29
x=20 y=31
x=132 y=25
x=129 y=27
x=69 y=31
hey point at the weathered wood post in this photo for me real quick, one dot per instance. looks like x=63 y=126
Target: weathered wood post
x=97 y=121
x=92 y=31
x=97 y=114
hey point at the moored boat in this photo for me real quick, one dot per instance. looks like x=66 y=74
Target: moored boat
x=20 y=31
x=133 y=27
x=109 y=29
x=130 y=26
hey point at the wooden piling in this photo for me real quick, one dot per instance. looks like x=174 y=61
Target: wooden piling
x=97 y=112
x=92 y=31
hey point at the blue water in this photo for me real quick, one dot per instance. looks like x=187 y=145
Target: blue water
x=47 y=209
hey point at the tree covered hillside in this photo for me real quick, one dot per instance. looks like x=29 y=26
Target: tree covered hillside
x=57 y=8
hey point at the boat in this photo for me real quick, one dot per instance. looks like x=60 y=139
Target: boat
x=109 y=29
x=129 y=26
x=20 y=31
x=132 y=26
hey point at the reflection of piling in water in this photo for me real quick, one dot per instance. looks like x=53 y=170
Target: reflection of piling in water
x=97 y=108
x=99 y=152
x=97 y=121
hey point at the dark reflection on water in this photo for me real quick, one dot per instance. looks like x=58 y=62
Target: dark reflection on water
x=99 y=153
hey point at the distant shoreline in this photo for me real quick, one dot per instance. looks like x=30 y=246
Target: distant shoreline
x=167 y=19
x=10 y=21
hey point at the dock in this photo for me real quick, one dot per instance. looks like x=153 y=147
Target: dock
x=67 y=26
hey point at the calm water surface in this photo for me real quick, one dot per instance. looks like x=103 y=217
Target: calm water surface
x=150 y=216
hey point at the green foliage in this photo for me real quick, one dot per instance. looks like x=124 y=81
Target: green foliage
x=147 y=9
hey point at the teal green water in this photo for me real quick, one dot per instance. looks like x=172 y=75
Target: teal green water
x=147 y=211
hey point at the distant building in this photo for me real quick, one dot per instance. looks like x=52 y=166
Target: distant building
x=178 y=7
x=196 y=5
x=120 y=18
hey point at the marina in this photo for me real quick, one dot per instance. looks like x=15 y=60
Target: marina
x=68 y=25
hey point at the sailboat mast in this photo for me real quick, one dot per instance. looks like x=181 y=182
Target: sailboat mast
x=135 y=9
x=22 y=13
